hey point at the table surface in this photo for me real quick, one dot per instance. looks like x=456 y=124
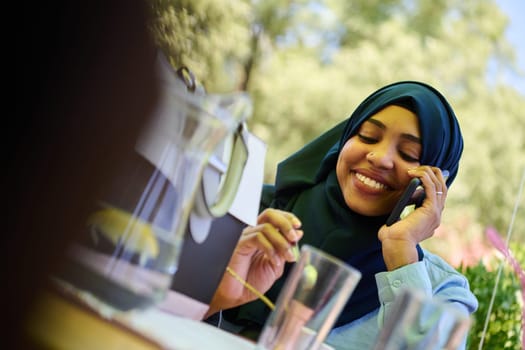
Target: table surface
x=59 y=322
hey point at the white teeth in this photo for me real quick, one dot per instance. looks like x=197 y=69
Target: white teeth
x=370 y=182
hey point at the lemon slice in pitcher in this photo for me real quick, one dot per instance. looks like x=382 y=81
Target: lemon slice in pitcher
x=120 y=227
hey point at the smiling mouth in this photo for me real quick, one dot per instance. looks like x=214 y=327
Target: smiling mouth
x=370 y=182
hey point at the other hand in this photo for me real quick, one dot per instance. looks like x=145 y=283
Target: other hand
x=399 y=240
x=259 y=258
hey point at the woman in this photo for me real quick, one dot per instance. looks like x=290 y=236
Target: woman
x=336 y=194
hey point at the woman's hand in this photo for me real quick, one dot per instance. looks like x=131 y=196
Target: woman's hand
x=399 y=240
x=258 y=258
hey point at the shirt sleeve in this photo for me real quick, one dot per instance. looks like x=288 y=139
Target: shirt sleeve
x=390 y=284
x=444 y=285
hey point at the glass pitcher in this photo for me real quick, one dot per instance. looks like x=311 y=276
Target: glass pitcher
x=131 y=246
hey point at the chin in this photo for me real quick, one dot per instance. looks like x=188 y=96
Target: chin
x=363 y=208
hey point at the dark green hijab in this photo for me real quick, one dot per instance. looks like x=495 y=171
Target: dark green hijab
x=306 y=185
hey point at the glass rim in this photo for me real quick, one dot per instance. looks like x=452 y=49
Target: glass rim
x=425 y=299
x=331 y=258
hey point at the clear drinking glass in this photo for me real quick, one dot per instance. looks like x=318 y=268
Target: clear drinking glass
x=419 y=322
x=131 y=246
x=312 y=298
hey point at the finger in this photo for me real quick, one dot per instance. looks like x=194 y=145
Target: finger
x=440 y=185
x=296 y=223
x=255 y=237
x=294 y=220
x=275 y=244
x=432 y=181
x=442 y=180
x=285 y=222
x=282 y=246
x=271 y=236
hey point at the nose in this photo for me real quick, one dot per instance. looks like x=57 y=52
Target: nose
x=381 y=157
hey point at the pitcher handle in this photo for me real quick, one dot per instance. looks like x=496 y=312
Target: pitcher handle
x=233 y=175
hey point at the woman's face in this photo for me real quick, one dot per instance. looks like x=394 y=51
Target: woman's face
x=372 y=166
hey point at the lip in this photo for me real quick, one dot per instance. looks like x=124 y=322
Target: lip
x=374 y=176
x=366 y=191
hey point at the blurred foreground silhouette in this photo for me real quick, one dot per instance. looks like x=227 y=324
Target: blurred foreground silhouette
x=87 y=85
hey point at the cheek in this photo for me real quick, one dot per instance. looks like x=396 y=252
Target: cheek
x=348 y=159
x=351 y=154
x=344 y=160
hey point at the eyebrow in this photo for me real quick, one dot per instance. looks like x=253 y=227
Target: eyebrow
x=383 y=127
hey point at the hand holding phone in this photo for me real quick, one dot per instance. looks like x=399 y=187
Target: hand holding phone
x=413 y=194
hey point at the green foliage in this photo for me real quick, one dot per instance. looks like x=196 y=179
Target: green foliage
x=210 y=37
x=307 y=64
x=504 y=328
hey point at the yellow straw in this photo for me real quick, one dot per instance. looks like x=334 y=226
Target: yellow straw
x=251 y=288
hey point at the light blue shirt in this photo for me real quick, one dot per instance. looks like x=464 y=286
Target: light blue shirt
x=432 y=277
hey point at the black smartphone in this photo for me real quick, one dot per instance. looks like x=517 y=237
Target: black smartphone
x=414 y=194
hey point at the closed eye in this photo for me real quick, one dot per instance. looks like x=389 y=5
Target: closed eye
x=408 y=158
x=366 y=139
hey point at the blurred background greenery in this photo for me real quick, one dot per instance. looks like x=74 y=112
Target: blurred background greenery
x=307 y=64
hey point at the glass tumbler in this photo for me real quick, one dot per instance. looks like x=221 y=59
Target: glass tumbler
x=419 y=322
x=312 y=298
